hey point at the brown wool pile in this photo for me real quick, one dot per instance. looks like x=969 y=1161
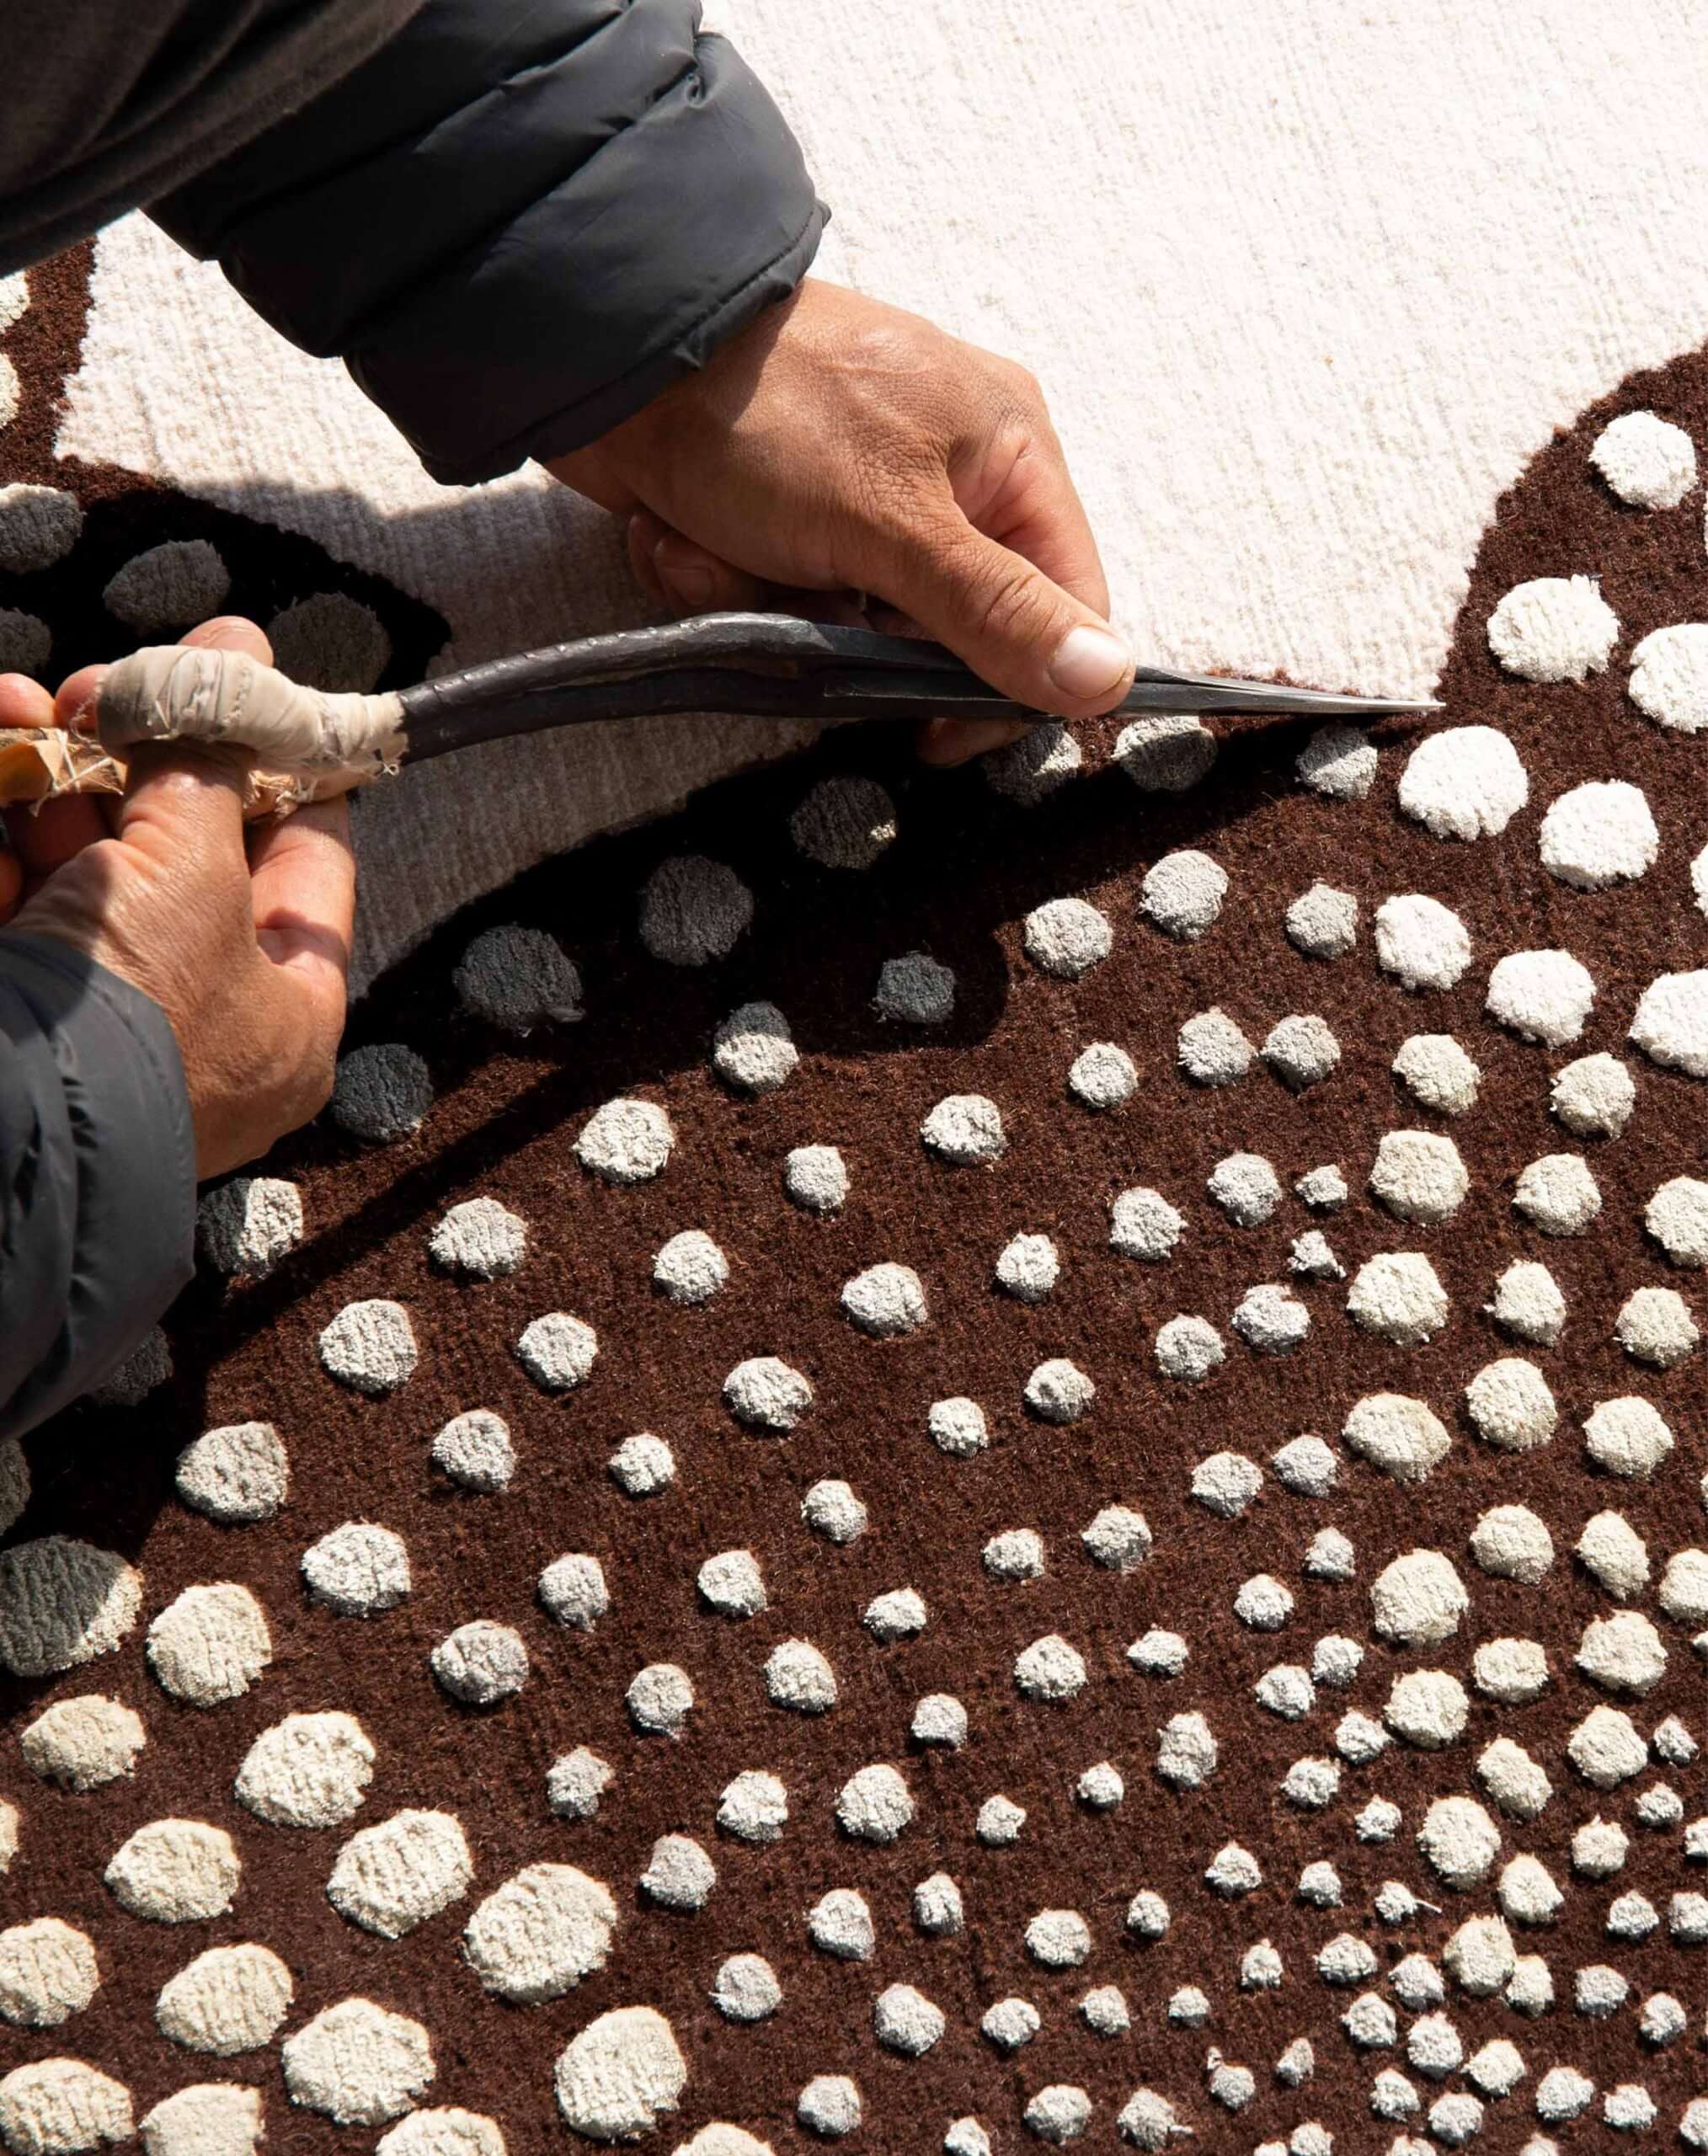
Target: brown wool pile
x=1248 y=2052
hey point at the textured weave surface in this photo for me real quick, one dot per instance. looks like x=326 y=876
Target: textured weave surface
x=1306 y=287
x=1331 y=1690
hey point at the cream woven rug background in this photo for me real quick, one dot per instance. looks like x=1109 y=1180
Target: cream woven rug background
x=1307 y=286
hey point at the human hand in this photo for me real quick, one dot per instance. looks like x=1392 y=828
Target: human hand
x=244 y=946
x=839 y=445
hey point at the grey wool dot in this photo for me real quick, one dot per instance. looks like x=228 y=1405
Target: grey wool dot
x=846 y=822
x=1323 y=922
x=518 y=978
x=1167 y=753
x=916 y=990
x=625 y=1141
x=39 y=525
x=1212 y=1050
x=26 y=639
x=474 y=1448
x=147 y=1366
x=690 y=1269
x=480 y=1662
x=694 y=910
x=330 y=641
x=481 y=1238
x=754 y=1051
x=381 y=1093
x=168 y=586
x=1031 y=769
x=1338 y=761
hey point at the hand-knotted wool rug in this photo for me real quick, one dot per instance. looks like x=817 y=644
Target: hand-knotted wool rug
x=948 y=1461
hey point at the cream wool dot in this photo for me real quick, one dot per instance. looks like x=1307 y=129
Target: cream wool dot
x=829 y=2104
x=958 y=1427
x=732 y=1583
x=1421 y=942
x=48 y=1972
x=26 y=639
x=1527 y=1303
x=1606 y=1748
x=888 y=1301
x=228 y=2000
x=1511 y=1543
x=1145 y=1226
x=1028 y=1267
x=1301 y=1050
x=1663 y=2019
x=1558 y=1194
x=832 y=1510
x=83 y=1742
x=576 y=1782
x=1628 y=1437
x=625 y=1141
x=1593 y=1097
x=1540 y=996
x=767 y=1394
x=1189 y=1349
x=1058 y=2113
x=1246 y=1188
x=9 y=1822
x=1059 y=1391
x=1158 y=1653
x=480 y=1238
x=745 y=1989
x=1599 y=834
x=1428 y=1708
x=1398 y=1295
x=1182 y=893
x=1684 y=1589
x=1511 y=1404
x=1624 y=1653
x=1516 y=1782
x=898 y=1615
x=1212 y=1050
x=1438 y=1073
x=480 y=1662
x=659 y=1699
x=1028 y=770
x=1323 y=922
x=475 y=1450
x=62 y=1602
x=1599 y=1849
x=1306 y=1466
x=358 y=1570
x=221 y=2118
x=916 y=990
x=59 y=2104
x=1104 y=2011
x=391 y=1877
x=1418 y=1599
x=1233 y=1871
x=168 y=587
x=1480 y=1956
x=1669 y=677
x=1459 y=1840
x=1657 y=1325
x=1009 y=2024
x=1677 y=1217
x=1336 y=1660
x=14 y=1483
x=939 y=1718
x=39 y=526
x=447 y=2131
x=839 y=1924
x=1118 y=1538
x=1464 y=783
x=174 y=1871
x=1419 y=1176
x=1311 y=1256
x=381 y=1093
x=690 y=1269
x=965 y=1130
x=905 y=2021
x=1103 y=1076
x=1671 y=1024
x=754 y=1051
x=1101 y=1788
x=571 y=1589
x=248 y=1224
x=1646 y=460
x=369 y=1347
x=1554 y=628
x=1338 y=761
x=846 y=822
x=357 y=2063
x=209 y=1643
x=1167 y=753
x=1186 y=1751
x=679 y=1874
x=1050 y=1669
x=1066 y=937
x=538 y=1934
x=1403 y=1436
x=1528 y=1892
x=1698 y=879
x=237 y=1474
x=1330 y=1556
x=875 y=1805
x=1148 y=1915
x=518 y=978
x=307 y=1770
x=694 y=910
x=1359 y=1740
x=815 y=1178
x=1018 y=1554
x=1226 y=1483
x=1511 y=1671
x=1263 y=1603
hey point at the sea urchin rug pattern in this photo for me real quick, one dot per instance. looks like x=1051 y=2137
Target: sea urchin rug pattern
x=948 y=1462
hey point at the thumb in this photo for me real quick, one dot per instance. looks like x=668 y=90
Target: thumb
x=1005 y=618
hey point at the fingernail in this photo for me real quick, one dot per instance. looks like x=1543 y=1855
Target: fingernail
x=1088 y=662
x=694 y=583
